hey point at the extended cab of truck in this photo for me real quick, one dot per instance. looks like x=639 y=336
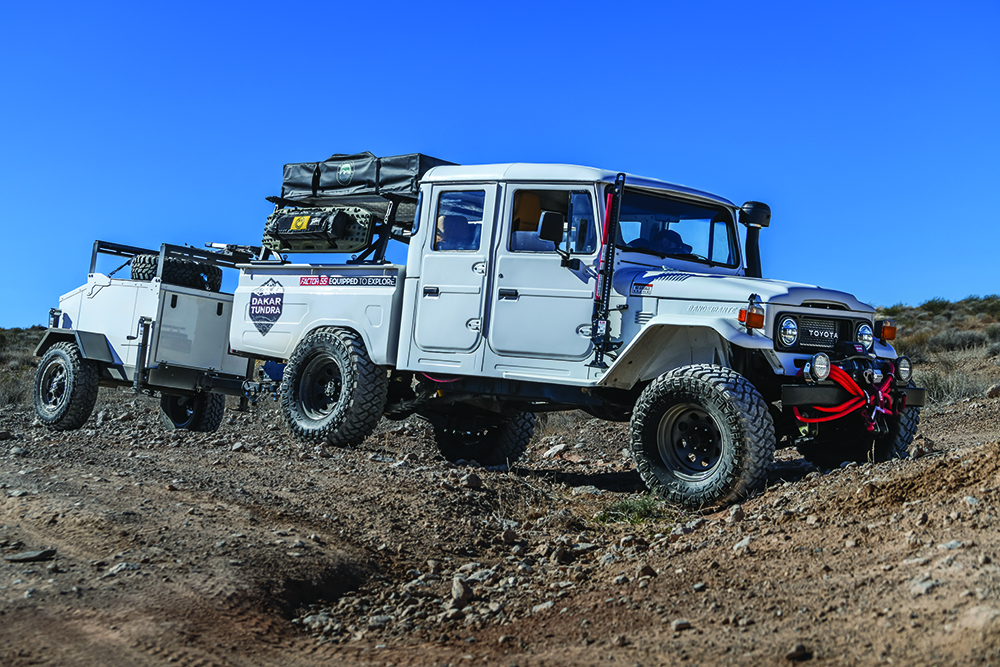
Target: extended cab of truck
x=542 y=287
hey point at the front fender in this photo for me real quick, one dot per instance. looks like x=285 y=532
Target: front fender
x=671 y=341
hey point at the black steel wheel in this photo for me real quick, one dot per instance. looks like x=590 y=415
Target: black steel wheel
x=331 y=390
x=65 y=389
x=201 y=412
x=702 y=435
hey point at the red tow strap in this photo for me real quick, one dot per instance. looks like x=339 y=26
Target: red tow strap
x=879 y=402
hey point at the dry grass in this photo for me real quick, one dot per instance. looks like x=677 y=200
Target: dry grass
x=17 y=364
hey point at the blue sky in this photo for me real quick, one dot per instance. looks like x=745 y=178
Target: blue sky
x=871 y=129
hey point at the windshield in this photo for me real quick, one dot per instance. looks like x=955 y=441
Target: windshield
x=672 y=228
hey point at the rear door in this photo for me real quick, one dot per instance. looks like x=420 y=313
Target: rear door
x=451 y=291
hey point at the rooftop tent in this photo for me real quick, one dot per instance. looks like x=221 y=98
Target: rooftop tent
x=357 y=175
x=338 y=205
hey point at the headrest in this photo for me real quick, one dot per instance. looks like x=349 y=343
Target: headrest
x=527 y=211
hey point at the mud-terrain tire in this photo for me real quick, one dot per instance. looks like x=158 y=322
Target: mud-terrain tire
x=896 y=444
x=178 y=271
x=331 y=390
x=494 y=445
x=202 y=412
x=847 y=440
x=702 y=435
x=65 y=389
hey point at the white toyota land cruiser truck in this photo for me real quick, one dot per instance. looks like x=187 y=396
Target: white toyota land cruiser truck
x=526 y=288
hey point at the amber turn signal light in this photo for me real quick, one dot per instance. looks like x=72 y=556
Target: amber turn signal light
x=885 y=330
x=752 y=317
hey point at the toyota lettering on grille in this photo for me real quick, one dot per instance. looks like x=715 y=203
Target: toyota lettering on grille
x=822 y=334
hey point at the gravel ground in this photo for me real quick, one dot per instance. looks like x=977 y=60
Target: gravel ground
x=126 y=544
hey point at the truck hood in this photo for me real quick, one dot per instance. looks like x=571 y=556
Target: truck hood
x=702 y=287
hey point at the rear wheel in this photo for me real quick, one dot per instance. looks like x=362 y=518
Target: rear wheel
x=201 y=412
x=331 y=389
x=491 y=443
x=702 y=435
x=65 y=388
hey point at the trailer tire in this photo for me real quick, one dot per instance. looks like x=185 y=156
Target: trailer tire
x=459 y=438
x=331 y=390
x=702 y=435
x=178 y=271
x=65 y=388
x=202 y=412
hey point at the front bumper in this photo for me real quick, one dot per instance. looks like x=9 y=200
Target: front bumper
x=829 y=394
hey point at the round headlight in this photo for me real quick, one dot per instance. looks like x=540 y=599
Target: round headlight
x=820 y=366
x=904 y=369
x=866 y=336
x=788 y=331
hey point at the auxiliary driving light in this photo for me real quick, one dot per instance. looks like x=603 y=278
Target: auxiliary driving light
x=819 y=366
x=904 y=369
x=865 y=336
x=788 y=331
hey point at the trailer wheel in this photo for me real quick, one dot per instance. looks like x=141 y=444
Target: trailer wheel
x=331 y=390
x=65 y=389
x=702 y=435
x=202 y=412
x=178 y=271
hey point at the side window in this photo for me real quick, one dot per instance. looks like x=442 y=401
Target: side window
x=722 y=245
x=576 y=208
x=459 y=220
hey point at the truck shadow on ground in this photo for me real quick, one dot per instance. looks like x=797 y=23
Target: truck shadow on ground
x=629 y=481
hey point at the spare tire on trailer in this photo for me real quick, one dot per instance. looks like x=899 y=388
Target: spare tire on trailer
x=178 y=271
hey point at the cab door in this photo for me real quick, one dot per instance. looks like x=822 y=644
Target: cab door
x=541 y=309
x=450 y=306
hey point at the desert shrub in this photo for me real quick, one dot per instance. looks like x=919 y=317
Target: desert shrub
x=914 y=346
x=937 y=306
x=993 y=333
x=894 y=311
x=645 y=508
x=15 y=387
x=950 y=387
x=993 y=350
x=951 y=340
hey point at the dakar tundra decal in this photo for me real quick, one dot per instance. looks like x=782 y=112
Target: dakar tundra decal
x=266 y=303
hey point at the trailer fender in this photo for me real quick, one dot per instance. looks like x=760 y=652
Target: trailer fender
x=93 y=346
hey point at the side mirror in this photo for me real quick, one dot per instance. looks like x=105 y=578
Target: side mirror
x=755 y=214
x=550 y=227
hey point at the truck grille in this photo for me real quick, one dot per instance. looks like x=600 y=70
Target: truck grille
x=820 y=334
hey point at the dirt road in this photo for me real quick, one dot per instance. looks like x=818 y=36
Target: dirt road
x=243 y=547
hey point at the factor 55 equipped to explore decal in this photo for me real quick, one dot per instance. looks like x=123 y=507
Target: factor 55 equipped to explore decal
x=347 y=281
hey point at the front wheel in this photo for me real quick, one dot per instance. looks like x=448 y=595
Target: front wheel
x=331 y=389
x=201 y=412
x=702 y=435
x=65 y=389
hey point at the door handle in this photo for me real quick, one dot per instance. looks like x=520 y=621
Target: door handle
x=432 y=291
x=508 y=293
